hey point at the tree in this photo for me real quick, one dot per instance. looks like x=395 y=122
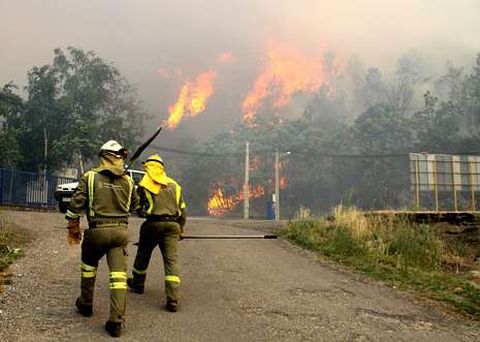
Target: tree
x=74 y=105
x=43 y=121
x=439 y=127
x=397 y=90
x=323 y=108
x=375 y=88
x=378 y=132
x=400 y=90
x=472 y=106
x=452 y=85
x=11 y=105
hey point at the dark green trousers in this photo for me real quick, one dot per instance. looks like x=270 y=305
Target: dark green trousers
x=165 y=235
x=110 y=241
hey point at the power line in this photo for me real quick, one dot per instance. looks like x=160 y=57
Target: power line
x=196 y=153
x=332 y=155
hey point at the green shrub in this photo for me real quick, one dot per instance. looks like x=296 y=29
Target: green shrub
x=340 y=244
x=305 y=232
x=416 y=247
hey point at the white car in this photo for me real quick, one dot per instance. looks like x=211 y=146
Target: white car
x=64 y=192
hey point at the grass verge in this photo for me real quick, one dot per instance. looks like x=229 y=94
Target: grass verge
x=12 y=240
x=405 y=255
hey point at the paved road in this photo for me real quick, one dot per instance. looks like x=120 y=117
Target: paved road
x=244 y=290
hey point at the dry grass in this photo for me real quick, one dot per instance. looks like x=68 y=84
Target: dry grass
x=303 y=213
x=353 y=220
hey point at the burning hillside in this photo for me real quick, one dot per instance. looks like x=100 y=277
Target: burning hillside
x=221 y=203
x=192 y=98
x=287 y=71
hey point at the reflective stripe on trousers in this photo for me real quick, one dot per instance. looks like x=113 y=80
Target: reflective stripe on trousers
x=118 y=280
x=139 y=272
x=88 y=271
x=172 y=278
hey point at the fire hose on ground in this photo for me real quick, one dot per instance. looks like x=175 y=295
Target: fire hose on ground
x=226 y=237
x=230 y=236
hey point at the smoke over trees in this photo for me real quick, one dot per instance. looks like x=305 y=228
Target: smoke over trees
x=72 y=105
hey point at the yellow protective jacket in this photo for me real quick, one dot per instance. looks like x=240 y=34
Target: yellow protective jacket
x=168 y=203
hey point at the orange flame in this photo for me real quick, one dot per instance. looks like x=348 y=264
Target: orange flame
x=220 y=204
x=255 y=163
x=287 y=72
x=192 y=98
x=283 y=183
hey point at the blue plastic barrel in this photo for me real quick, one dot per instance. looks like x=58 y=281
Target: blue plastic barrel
x=270 y=210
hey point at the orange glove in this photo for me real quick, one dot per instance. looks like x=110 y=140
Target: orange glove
x=74 y=234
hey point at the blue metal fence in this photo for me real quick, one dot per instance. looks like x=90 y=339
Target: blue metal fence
x=29 y=189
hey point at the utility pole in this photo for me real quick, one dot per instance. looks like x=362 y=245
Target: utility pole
x=246 y=192
x=277 y=182
x=277 y=186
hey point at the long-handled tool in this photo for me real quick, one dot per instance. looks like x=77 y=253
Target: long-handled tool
x=142 y=147
x=230 y=236
x=225 y=237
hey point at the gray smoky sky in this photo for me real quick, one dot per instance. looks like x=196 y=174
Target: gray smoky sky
x=158 y=44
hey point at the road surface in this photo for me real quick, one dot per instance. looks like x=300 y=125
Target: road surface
x=241 y=290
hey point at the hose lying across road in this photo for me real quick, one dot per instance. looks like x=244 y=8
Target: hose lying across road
x=226 y=237
x=231 y=236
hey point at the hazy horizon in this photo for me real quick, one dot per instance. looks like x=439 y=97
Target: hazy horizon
x=157 y=45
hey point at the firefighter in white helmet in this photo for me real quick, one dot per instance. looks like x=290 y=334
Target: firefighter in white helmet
x=107 y=195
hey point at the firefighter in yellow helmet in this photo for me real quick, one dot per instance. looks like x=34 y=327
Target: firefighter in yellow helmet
x=107 y=195
x=162 y=202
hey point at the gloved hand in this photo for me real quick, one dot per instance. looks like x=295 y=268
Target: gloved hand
x=74 y=234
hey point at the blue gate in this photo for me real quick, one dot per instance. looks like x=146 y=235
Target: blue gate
x=29 y=189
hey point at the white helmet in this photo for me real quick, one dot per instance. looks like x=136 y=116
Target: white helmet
x=113 y=147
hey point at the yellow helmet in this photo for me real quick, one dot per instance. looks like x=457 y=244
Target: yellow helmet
x=154 y=158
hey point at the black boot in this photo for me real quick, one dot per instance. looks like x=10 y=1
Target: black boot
x=84 y=309
x=134 y=286
x=113 y=328
x=172 y=305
